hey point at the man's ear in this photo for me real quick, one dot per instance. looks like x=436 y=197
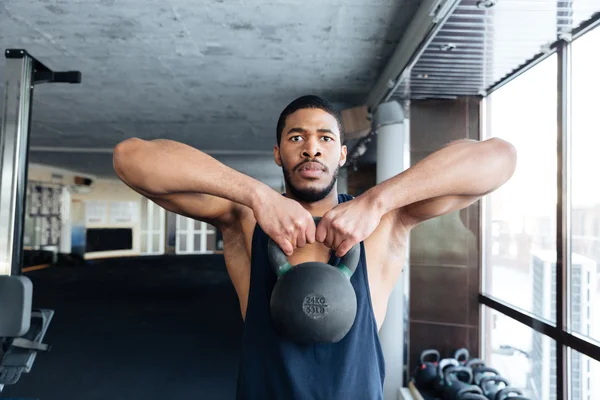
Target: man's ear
x=277 y=155
x=343 y=155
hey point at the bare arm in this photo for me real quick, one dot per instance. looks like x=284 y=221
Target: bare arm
x=185 y=180
x=449 y=179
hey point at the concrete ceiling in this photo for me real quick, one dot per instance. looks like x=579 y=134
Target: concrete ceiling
x=212 y=74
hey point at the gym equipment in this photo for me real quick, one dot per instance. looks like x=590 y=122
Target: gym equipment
x=474 y=363
x=15 y=303
x=480 y=372
x=21 y=328
x=426 y=372
x=22 y=351
x=507 y=394
x=458 y=382
x=490 y=385
x=462 y=355
x=472 y=396
x=440 y=382
x=313 y=302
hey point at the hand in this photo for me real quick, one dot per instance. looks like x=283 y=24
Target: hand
x=285 y=221
x=347 y=224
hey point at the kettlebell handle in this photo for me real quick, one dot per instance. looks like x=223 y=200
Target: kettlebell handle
x=280 y=264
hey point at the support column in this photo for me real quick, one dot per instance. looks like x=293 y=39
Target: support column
x=22 y=73
x=342 y=181
x=392 y=160
x=65 y=221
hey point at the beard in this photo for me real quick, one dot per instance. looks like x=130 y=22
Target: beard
x=310 y=194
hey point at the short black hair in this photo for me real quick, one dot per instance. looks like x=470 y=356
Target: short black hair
x=308 y=101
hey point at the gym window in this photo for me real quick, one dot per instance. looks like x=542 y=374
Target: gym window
x=541 y=252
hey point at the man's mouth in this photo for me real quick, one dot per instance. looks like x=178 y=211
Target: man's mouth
x=311 y=170
x=311 y=166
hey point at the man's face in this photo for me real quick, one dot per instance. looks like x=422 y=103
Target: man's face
x=310 y=154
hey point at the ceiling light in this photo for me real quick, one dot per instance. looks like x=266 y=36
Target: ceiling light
x=447 y=47
x=486 y=3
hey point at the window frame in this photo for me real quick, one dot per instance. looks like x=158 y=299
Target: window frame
x=561 y=332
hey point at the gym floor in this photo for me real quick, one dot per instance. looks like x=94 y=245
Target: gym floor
x=141 y=328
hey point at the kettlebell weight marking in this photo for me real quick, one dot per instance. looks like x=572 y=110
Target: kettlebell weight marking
x=315 y=306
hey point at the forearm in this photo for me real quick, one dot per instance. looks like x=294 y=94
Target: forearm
x=162 y=167
x=462 y=168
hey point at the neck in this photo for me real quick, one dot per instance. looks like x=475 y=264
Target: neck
x=318 y=208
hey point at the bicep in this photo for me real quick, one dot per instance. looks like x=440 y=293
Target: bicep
x=415 y=213
x=214 y=210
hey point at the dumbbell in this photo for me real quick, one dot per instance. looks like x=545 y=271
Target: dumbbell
x=462 y=356
x=490 y=385
x=458 y=382
x=426 y=372
x=508 y=392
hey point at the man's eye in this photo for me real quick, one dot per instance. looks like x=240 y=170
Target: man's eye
x=327 y=138
x=296 y=138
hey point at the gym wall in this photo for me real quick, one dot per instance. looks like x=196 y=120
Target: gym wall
x=444 y=252
x=114 y=213
x=361 y=180
x=111 y=218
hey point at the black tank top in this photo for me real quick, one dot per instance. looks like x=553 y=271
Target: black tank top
x=273 y=367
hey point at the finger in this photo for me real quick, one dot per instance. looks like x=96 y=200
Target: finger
x=344 y=247
x=330 y=239
x=321 y=231
x=301 y=239
x=286 y=246
x=339 y=239
x=310 y=232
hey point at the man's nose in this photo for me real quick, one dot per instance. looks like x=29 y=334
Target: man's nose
x=311 y=149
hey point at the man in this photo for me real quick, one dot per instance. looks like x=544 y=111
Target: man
x=310 y=152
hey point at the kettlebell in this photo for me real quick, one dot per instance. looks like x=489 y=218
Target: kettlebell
x=426 y=372
x=313 y=302
x=491 y=385
x=510 y=393
x=458 y=383
x=480 y=372
x=462 y=355
x=472 y=396
x=440 y=382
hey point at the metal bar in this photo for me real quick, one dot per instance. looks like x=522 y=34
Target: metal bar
x=471 y=53
x=450 y=82
x=449 y=72
x=13 y=160
x=520 y=70
x=523 y=317
x=587 y=26
x=449 y=91
x=583 y=345
x=449 y=68
x=563 y=211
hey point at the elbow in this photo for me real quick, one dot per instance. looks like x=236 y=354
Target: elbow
x=506 y=153
x=124 y=156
